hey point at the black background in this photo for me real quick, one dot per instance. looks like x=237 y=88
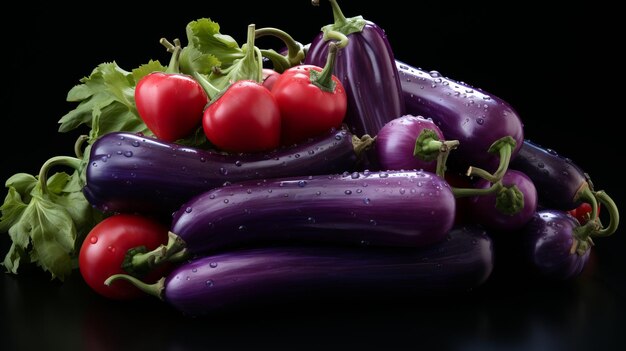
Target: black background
x=551 y=65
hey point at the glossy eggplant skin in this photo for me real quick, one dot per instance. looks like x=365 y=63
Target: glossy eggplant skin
x=134 y=173
x=473 y=117
x=547 y=241
x=395 y=208
x=366 y=68
x=557 y=179
x=269 y=275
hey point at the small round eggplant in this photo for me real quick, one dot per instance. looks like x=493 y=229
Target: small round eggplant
x=395 y=143
x=488 y=210
x=271 y=275
x=556 y=245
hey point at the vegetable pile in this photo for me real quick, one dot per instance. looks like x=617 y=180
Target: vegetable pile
x=238 y=174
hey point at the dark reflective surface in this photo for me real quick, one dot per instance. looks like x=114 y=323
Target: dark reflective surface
x=551 y=65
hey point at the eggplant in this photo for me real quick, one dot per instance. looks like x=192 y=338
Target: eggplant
x=260 y=276
x=395 y=208
x=555 y=245
x=473 y=117
x=366 y=68
x=560 y=183
x=133 y=173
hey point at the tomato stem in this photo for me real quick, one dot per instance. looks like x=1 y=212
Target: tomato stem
x=324 y=79
x=175 y=49
x=155 y=289
x=174 y=251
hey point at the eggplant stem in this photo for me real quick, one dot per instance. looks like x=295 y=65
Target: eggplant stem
x=586 y=194
x=505 y=158
x=324 y=79
x=610 y=205
x=464 y=192
x=442 y=157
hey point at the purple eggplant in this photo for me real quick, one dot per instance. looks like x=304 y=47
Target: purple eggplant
x=396 y=141
x=366 y=68
x=555 y=244
x=561 y=184
x=262 y=276
x=474 y=117
x=487 y=210
x=396 y=208
x=134 y=173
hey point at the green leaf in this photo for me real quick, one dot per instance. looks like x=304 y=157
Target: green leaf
x=23 y=183
x=12 y=259
x=52 y=233
x=207 y=48
x=145 y=69
x=108 y=93
x=12 y=210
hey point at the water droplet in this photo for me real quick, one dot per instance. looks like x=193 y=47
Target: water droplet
x=93 y=239
x=373 y=222
x=249 y=191
x=348 y=192
x=366 y=200
x=383 y=175
x=419 y=184
x=364 y=242
x=355 y=175
x=402 y=191
x=225 y=201
x=128 y=153
x=480 y=121
x=434 y=74
x=135 y=143
x=188 y=209
x=111 y=249
x=302 y=183
x=540 y=165
x=318 y=193
x=212 y=196
x=551 y=152
x=94 y=164
x=311 y=220
x=194 y=270
x=223 y=171
x=202 y=159
x=238 y=163
x=213 y=264
x=242 y=227
x=359 y=191
x=296 y=155
x=209 y=283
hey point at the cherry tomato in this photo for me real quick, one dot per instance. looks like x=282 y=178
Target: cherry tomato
x=245 y=118
x=306 y=109
x=170 y=104
x=104 y=249
x=583 y=212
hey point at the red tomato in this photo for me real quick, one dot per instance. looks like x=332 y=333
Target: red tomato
x=170 y=104
x=583 y=212
x=104 y=249
x=245 y=118
x=307 y=110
